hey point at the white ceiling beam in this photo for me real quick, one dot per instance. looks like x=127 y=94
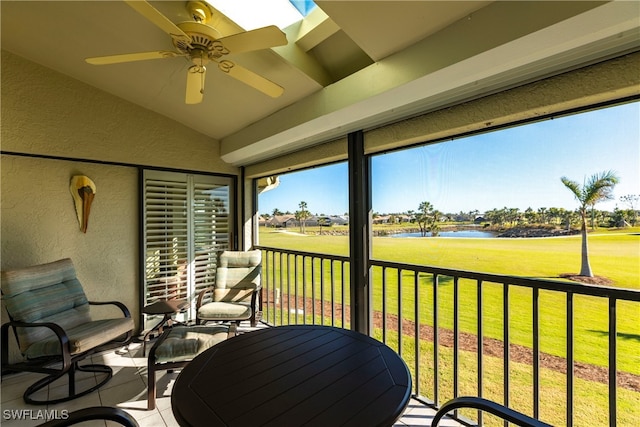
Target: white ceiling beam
x=403 y=84
x=314 y=29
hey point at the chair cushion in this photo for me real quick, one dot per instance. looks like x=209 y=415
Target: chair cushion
x=186 y=342
x=246 y=259
x=37 y=276
x=44 y=293
x=224 y=311
x=233 y=295
x=82 y=338
x=239 y=270
x=238 y=277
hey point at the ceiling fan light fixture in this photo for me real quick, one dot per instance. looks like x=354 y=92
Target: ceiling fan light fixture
x=195 y=84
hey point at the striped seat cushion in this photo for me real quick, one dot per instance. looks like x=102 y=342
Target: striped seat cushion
x=83 y=337
x=225 y=311
x=186 y=342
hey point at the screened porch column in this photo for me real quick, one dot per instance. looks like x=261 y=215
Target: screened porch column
x=359 y=233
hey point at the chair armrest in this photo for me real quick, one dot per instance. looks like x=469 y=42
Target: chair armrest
x=120 y=305
x=494 y=408
x=201 y=295
x=94 y=413
x=62 y=336
x=151 y=359
x=254 y=298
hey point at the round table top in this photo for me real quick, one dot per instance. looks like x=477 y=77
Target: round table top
x=293 y=375
x=165 y=306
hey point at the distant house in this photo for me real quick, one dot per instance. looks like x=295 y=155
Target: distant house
x=282 y=221
x=314 y=221
x=381 y=219
x=403 y=218
x=339 y=219
x=479 y=220
x=328 y=221
x=288 y=221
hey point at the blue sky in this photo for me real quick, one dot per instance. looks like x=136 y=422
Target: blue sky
x=515 y=168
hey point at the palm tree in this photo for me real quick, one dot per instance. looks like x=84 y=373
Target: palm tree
x=302 y=215
x=597 y=188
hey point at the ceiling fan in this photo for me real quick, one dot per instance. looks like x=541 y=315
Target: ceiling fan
x=202 y=44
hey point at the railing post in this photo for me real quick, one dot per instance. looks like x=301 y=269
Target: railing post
x=570 y=361
x=535 y=301
x=359 y=233
x=480 y=354
x=506 y=345
x=613 y=366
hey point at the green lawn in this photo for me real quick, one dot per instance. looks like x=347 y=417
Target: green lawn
x=590 y=398
x=613 y=255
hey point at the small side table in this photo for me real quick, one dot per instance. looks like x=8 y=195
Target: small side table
x=165 y=307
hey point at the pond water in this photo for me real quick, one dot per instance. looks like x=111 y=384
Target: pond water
x=461 y=233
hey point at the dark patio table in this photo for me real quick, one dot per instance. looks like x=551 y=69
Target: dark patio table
x=291 y=376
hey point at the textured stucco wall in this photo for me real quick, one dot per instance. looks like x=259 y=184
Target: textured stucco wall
x=71 y=124
x=39 y=223
x=44 y=112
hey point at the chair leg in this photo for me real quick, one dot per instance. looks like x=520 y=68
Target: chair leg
x=39 y=385
x=233 y=330
x=151 y=386
x=72 y=394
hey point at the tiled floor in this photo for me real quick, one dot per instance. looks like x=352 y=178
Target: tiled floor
x=127 y=390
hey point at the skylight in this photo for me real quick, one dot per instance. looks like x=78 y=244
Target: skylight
x=252 y=14
x=303 y=6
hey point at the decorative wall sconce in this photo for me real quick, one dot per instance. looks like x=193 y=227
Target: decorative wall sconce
x=83 y=190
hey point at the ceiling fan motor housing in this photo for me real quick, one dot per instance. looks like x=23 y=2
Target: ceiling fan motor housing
x=204 y=44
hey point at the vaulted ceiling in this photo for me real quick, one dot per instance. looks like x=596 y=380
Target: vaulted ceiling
x=348 y=65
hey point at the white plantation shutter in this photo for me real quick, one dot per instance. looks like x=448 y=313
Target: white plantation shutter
x=188 y=220
x=211 y=229
x=166 y=238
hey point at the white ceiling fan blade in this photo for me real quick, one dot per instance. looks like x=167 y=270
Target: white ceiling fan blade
x=157 y=18
x=131 y=57
x=195 y=84
x=252 y=79
x=261 y=38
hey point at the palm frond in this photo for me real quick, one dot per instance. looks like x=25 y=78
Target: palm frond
x=574 y=187
x=600 y=187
